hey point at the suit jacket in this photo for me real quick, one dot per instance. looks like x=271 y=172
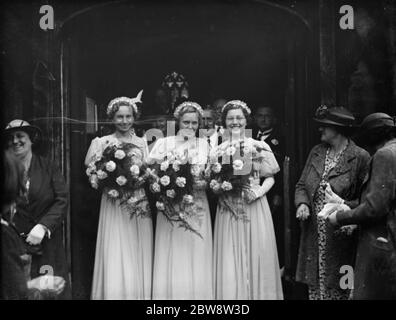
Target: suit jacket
x=47 y=205
x=375 y=270
x=12 y=277
x=345 y=180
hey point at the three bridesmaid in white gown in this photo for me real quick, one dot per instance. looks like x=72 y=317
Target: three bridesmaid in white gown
x=240 y=263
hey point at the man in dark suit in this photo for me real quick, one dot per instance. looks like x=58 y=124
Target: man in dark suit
x=264 y=129
x=375 y=266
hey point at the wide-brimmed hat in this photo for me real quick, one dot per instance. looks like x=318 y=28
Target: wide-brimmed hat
x=377 y=120
x=22 y=125
x=335 y=116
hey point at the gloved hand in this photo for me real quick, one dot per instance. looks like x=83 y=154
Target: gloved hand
x=302 y=212
x=332 y=218
x=48 y=284
x=253 y=192
x=331 y=197
x=36 y=235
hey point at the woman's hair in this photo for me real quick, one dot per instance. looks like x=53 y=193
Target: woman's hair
x=189 y=109
x=229 y=107
x=113 y=109
x=13 y=178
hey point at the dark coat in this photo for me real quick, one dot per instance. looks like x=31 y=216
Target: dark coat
x=47 y=205
x=13 y=279
x=345 y=180
x=375 y=268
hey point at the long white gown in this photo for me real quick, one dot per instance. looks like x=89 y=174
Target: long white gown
x=124 y=247
x=245 y=256
x=183 y=260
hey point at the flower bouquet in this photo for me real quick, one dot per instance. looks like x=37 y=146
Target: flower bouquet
x=172 y=185
x=120 y=172
x=232 y=168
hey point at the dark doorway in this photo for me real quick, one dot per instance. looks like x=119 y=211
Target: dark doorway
x=251 y=51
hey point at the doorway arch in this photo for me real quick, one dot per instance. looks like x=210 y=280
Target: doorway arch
x=256 y=51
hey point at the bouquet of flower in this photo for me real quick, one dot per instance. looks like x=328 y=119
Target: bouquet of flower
x=172 y=185
x=232 y=167
x=121 y=173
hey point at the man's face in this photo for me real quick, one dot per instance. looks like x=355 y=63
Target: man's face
x=217 y=106
x=208 y=119
x=264 y=118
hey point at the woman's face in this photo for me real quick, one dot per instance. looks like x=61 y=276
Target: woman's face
x=235 y=121
x=19 y=143
x=188 y=124
x=123 y=119
x=328 y=134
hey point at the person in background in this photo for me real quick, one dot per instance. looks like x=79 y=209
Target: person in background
x=15 y=282
x=333 y=173
x=217 y=106
x=211 y=136
x=40 y=214
x=264 y=129
x=375 y=267
x=208 y=124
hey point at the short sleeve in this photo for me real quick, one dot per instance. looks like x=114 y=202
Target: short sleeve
x=94 y=151
x=267 y=164
x=157 y=153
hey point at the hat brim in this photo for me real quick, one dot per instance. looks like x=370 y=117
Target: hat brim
x=333 y=123
x=32 y=131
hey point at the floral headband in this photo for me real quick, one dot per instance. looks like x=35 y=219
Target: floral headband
x=238 y=103
x=186 y=104
x=128 y=101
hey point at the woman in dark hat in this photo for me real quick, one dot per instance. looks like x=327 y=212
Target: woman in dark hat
x=375 y=268
x=39 y=216
x=334 y=172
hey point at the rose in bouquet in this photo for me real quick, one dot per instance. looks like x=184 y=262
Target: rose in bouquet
x=121 y=174
x=172 y=185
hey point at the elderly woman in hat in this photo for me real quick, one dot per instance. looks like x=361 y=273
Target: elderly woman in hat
x=39 y=215
x=333 y=173
x=375 y=268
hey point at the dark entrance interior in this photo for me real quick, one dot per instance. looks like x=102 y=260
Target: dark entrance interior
x=251 y=51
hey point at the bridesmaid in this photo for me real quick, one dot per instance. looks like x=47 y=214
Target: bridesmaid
x=183 y=260
x=124 y=248
x=245 y=257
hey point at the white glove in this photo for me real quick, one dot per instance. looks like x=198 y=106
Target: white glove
x=36 y=235
x=253 y=192
x=302 y=212
x=331 y=197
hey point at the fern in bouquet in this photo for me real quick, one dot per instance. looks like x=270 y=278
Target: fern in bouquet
x=121 y=173
x=172 y=182
x=231 y=169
